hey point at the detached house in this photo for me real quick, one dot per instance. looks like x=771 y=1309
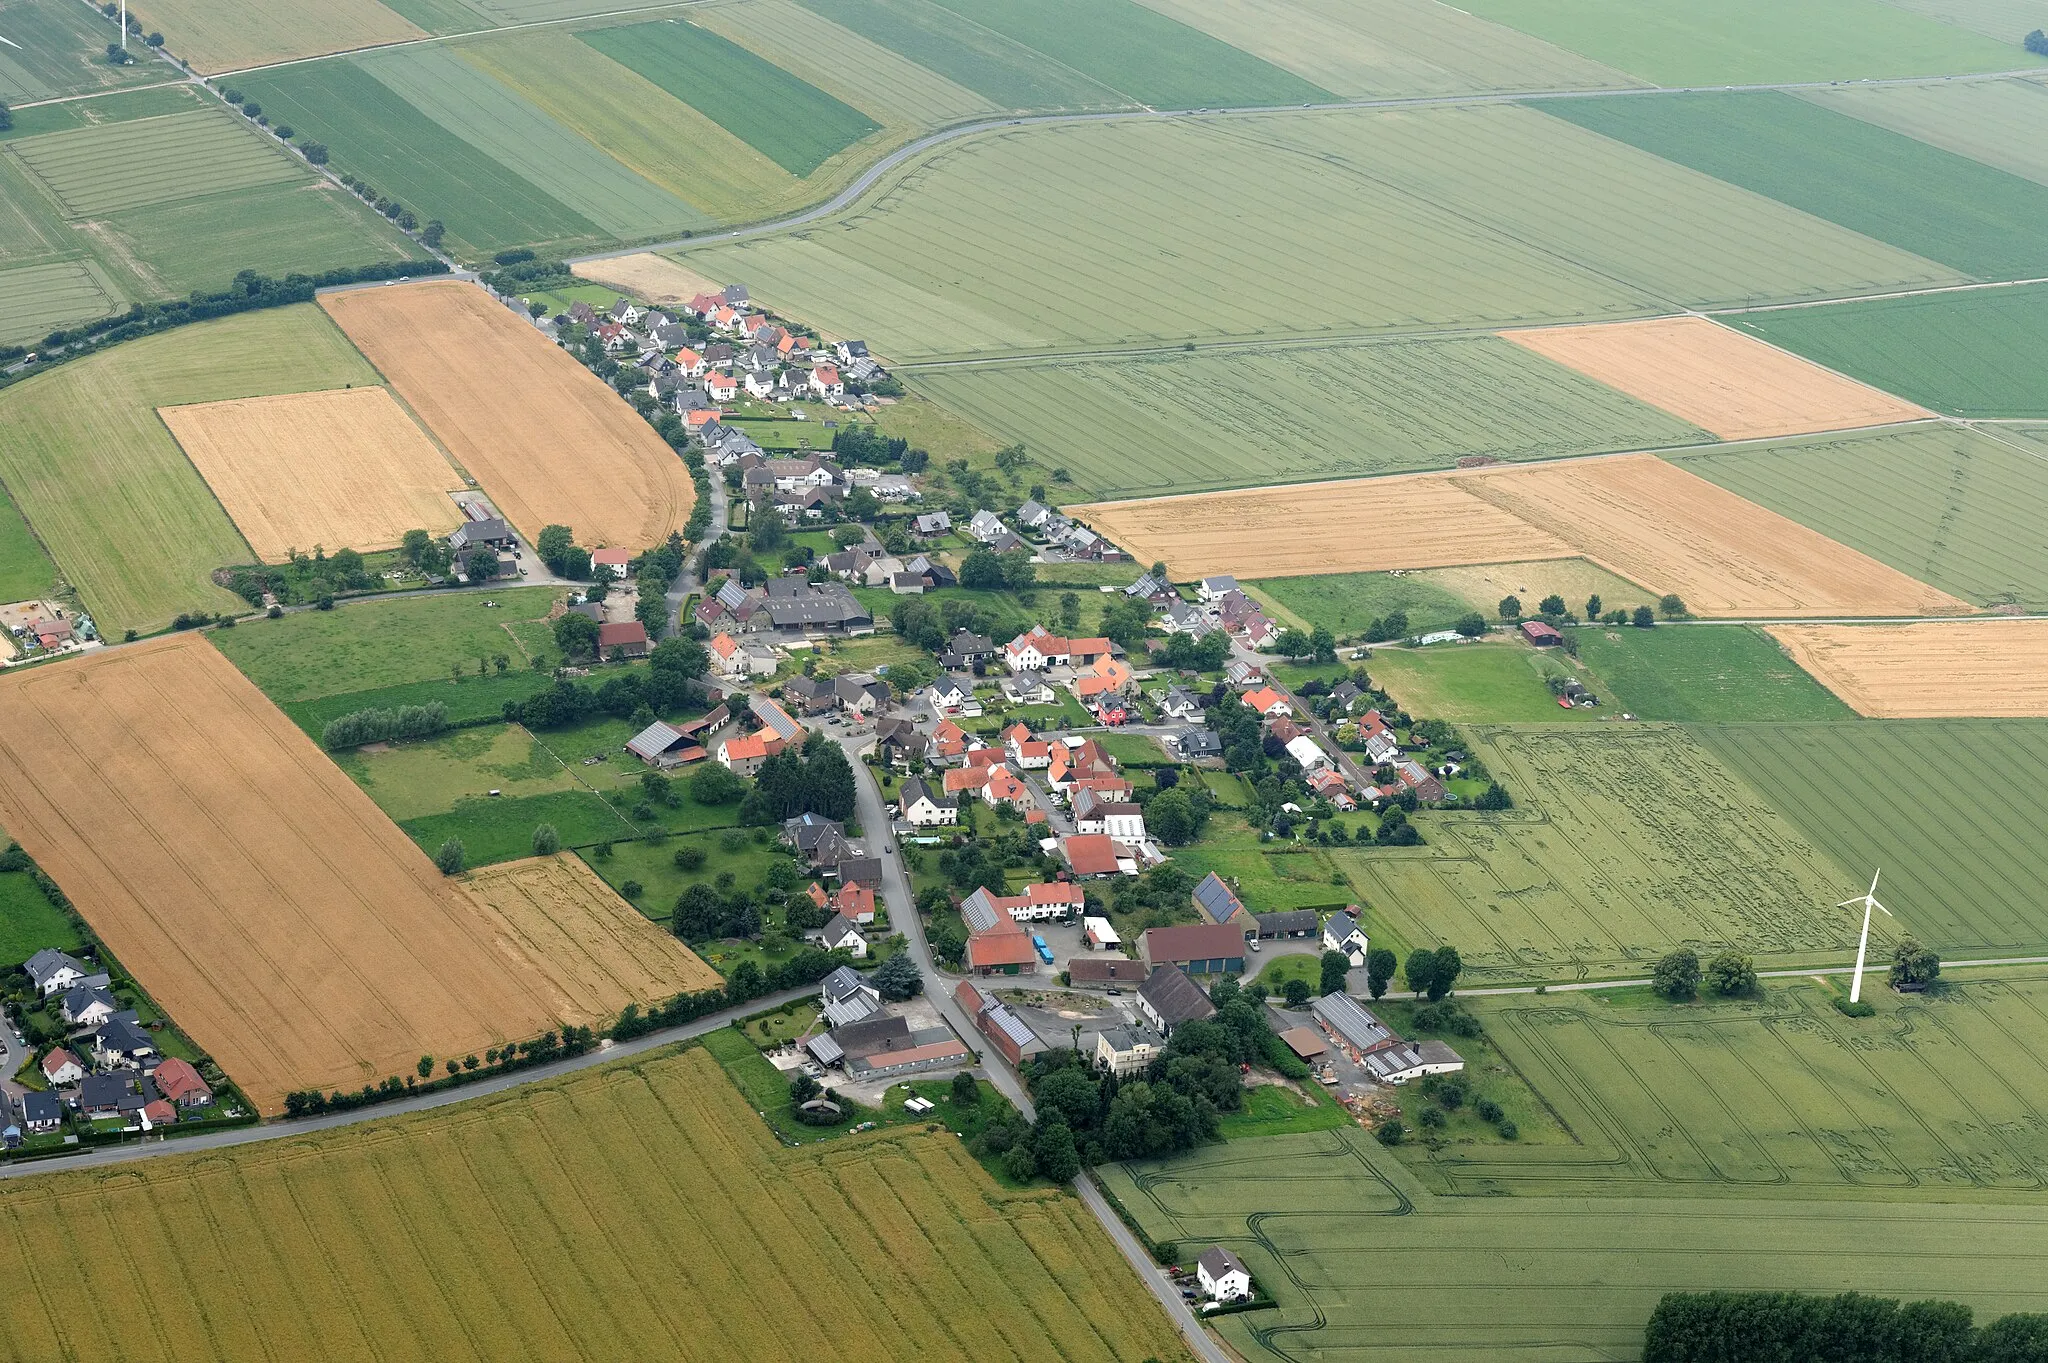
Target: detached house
x=1343 y=933
x=923 y=808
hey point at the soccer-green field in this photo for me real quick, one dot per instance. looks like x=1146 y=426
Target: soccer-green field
x=1956 y=508
x=1187 y=423
x=1703 y=673
x=1977 y=353
x=1626 y=840
x=1346 y=603
x=1500 y=681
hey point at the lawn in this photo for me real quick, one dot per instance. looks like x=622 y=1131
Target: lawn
x=500 y=761
x=1920 y=198
x=1625 y=841
x=89 y=462
x=1346 y=603
x=380 y=644
x=1281 y=969
x=1498 y=681
x=790 y=121
x=1958 y=867
x=494 y=830
x=1277 y=1110
x=1975 y=354
x=468 y=700
x=29 y=921
x=1269 y=876
x=652 y=863
x=1704 y=673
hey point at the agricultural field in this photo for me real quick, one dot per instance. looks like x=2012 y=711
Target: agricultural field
x=29 y=921
x=2003 y=123
x=1954 y=508
x=1501 y=681
x=1969 y=216
x=1625 y=842
x=1185 y=423
x=1654 y=523
x=547 y=439
x=1315 y=1215
x=97 y=171
x=1722 y=380
x=1982 y=668
x=1751 y=42
x=37 y=299
x=652 y=278
x=339 y=469
x=57 y=48
x=1704 y=674
x=1308 y=529
x=165 y=794
x=1957 y=871
x=96 y=472
x=213 y=37
x=585 y=1218
x=1482 y=586
x=1970 y=354
x=120 y=106
x=1006 y=73
x=1348 y=602
x=25 y=570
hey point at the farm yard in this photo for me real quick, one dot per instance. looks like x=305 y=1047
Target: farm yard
x=1983 y=668
x=549 y=442
x=345 y=469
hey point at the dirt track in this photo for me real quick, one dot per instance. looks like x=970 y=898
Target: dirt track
x=343 y=469
x=549 y=442
x=1993 y=668
x=1722 y=381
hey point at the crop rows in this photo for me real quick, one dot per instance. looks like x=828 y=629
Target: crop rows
x=2002 y=123
x=153 y=160
x=36 y=298
x=846 y=64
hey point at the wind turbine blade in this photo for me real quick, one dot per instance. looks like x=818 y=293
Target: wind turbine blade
x=13 y=44
x=1847 y=902
x=1873 y=881
x=1887 y=912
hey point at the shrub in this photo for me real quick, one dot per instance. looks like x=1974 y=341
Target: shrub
x=546 y=840
x=689 y=858
x=1391 y=1132
x=450 y=857
x=1433 y=1118
x=380 y=726
x=1508 y=1130
x=631 y=889
x=1487 y=1110
x=1858 y=1009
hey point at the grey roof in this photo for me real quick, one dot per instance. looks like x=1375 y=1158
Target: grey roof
x=978 y=911
x=824 y=1049
x=873 y=1035
x=844 y=983
x=773 y=716
x=837 y=929
x=486 y=531
x=934 y=520
x=1199 y=742
x=1217 y=899
x=1146 y=586
x=654 y=740
x=1342 y=924
x=826 y=603
x=1009 y=1024
x=1175 y=997
x=110 y=1090
x=48 y=962
x=807 y=831
x=1286 y=921
x=969 y=645
x=1032 y=511
x=123 y=1036
x=1217 y=1261
x=40 y=1108
x=1346 y=1017
x=915 y=788
x=1407 y=1055
x=1220 y=583
x=1129 y=1038
x=78 y=999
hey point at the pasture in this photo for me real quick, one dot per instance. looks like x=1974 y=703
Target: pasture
x=547 y=439
x=214 y=37
x=29 y=921
x=166 y=795
x=1954 y=508
x=1704 y=674
x=1503 y=681
x=1960 y=869
x=1653 y=523
x=1160 y=424
x=1722 y=380
x=56 y=49
x=339 y=469
x=1315 y=1215
x=25 y=570
x=1981 y=668
x=1969 y=216
x=408 y=780
x=1348 y=602
x=1625 y=842
x=118 y=504
x=1972 y=354
x=2002 y=123
x=1308 y=529
x=586 y=1218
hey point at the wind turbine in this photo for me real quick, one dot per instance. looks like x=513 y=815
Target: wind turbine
x=11 y=43
x=1868 y=901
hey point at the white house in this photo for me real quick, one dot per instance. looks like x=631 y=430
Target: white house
x=847 y=997
x=953 y=695
x=1180 y=703
x=722 y=387
x=1215 y=588
x=1412 y=1060
x=1308 y=752
x=761 y=383
x=841 y=932
x=1027 y=688
x=985 y=526
x=84 y=1007
x=924 y=808
x=1222 y=1275
x=610 y=561
x=61 y=1067
x=1119 y=820
x=691 y=363
x=51 y=971
x=736 y=660
x=1036 y=650
x=826 y=383
x=1343 y=933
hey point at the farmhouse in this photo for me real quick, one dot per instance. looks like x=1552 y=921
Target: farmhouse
x=662 y=745
x=847 y=997
x=1168 y=998
x=1222 y=1275
x=984 y=912
x=1344 y=933
x=1125 y=1051
x=1411 y=1060
x=743 y=754
x=1198 y=948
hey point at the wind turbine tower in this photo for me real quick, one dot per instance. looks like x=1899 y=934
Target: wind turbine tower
x=1869 y=901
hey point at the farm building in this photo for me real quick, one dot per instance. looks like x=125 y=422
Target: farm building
x=662 y=745
x=1105 y=970
x=998 y=1023
x=1218 y=902
x=1005 y=951
x=1541 y=634
x=1407 y=1060
x=625 y=639
x=1346 y=1021
x=1098 y=933
x=984 y=912
x=1124 y=1051
x=846 y=996
x=1306 y=1043
x=1287 y=923
x=1198 y=948
x=1168 y=998
x=1343 y=933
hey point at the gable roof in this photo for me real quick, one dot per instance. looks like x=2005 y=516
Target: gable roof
x=1090 y=854
x=1217 y=899
x=1175 y=997
x=1194 y=942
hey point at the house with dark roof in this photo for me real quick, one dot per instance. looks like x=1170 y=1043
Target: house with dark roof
x=1223 y=1275
x=1349 y=1023
x=924 y=807
x=1287 y=923
x=1406 y=1060
x=1219 y=903
x=51 y=971
x=40 y=1113
x=846 y=996
x=490 y=533
x=1168 y=998
x=110 y=1095
x=121 y=1042
x=1346 y=934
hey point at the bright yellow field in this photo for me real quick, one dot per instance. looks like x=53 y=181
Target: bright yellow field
x=227 y=35
x=656 y=279
x=639 y=1213
x=1967 y=668
x=343 y=469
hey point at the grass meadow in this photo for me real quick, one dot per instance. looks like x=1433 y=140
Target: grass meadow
x=1625 y=842
x=1955 y=508
x=29 y=921
x=1973 y=354
x=1498 y=681
x=1174 y=423
x=25 y=570
x=586 y=1218
x=1704 y=673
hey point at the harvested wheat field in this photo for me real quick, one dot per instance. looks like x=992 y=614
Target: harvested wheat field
x=1951 y=669
x=251 y=888
x=1720 y=380
x=1654 y=523
x=549 y=442
x=595 y=948
x=1358 y=525
x=343 y=469
x=646 y=275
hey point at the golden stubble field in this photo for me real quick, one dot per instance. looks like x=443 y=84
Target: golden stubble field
x=1736 y=386
x=647 y=275
x=343 y=469
x=638 y=1213
x=1962 y=668
x=546 y=439
x=261 y=898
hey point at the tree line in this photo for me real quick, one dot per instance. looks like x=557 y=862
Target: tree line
x=383 y=726
x=1793 y=1327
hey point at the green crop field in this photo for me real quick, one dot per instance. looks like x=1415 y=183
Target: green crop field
x=791 y=122
x=1153 y=59
x=1480 y=217
x=889 y=87
x=123 y=511
x=2003 y=123
x=57 y=48
x=1972 y=354
x=370 y=130
x=1002 y=71
x=1347 y=602
x=26 y=572
x=1997 y=19
x=272 y=229
x=1626 y=840
x=95 y=171
x=1967 y=215
x=1704 y=673
x=118 y=107
x=1959 y=871
x=1955 y=508
x=37 y=299
x=1324 y=1219
x=1188 y=423
x=1748 y=42
x=1500 y=681
x=1388 y=48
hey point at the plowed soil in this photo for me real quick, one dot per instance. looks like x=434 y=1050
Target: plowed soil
x=344 y=469
x=549 y=442
x=1964 y=668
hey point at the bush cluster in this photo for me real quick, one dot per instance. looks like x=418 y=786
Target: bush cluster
x=383 y=726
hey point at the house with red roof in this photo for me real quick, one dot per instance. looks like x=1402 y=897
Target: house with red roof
x=628 y=637
x=826 y=383
x=613 y=561
x=1267 y=701
x=178 y=1081
x=1090 y=854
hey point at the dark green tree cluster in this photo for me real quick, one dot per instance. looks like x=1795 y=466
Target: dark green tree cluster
x=813 y=779
x=859 y=444
x=560 y=552
x=1792 y=1327
x=1914 y=967
x=930 y=624
x=1433 y=972
x=665 y=686
x=987 y=571
x=1677 y=975
x=383 y=726
x=1208 y=654
x=304 y=578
